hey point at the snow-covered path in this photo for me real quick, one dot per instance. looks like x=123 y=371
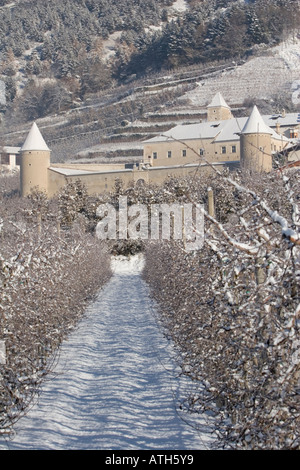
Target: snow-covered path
x=115 y=385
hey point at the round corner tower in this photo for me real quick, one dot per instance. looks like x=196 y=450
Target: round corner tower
x=35 y=161
x=255 y=143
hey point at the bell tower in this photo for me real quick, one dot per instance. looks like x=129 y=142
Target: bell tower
x=255 y=141
x=218 y=109
x=34 y=162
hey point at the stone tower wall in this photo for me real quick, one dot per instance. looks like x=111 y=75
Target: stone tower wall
x=34 y=171
x=218 y=113
x=256 y=152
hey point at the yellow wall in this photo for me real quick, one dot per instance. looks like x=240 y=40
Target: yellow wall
x=99 y=183
x=256 y=152
x=34 y=171
x=218 y=113
x=90 y=166
x=56 y=181
x=96 y=183
x=212 y=152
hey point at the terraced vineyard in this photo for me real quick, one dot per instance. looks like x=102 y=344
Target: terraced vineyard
x=113 y=124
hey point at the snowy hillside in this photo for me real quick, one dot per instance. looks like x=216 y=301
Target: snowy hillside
x=277 y=70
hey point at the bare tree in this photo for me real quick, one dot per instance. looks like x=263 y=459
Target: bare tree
x=47 y=278
x=233 y=307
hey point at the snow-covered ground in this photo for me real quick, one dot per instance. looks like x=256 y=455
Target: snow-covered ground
x=116 y=384
x=260 y=77
x=180 y=6
x=109 y=146
x=2 y=93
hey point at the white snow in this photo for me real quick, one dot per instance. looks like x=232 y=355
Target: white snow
x=116 y=384
x=296 y=92
x=180 y=6
x=110 y=146
x=110 y=44
x=127 y=265
x=255 y=123
x=2 y=93
x=289 y=51
x=260 y=77
x=34 y=140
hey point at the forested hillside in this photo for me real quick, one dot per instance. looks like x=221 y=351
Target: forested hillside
x=215 y=30
x=58 y=53
x=63 y=41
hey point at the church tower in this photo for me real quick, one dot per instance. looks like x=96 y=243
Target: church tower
x=218 y=109
x=255 y=141
x=35 y=161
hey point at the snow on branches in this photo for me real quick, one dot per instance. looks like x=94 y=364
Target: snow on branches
x=47 y=277
x=232 y=308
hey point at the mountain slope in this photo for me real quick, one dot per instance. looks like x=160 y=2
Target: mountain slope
x=59 y=53
x=89 y=115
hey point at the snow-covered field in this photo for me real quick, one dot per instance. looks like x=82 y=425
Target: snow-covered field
x=116 y=384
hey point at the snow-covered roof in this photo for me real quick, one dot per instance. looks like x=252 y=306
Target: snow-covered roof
x=34 y=140
x=75 y=172
x=204 y=130
x=217 y=101
x=219 y=131
x=70 y=171
x=11 y=150
x=255 y=123
x=284 y=119
x=195 y=165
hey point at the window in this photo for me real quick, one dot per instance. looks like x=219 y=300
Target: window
x=169 y=154
x=233 y=149
x=184 y=153
x=201 y=152
x=293 y=133
x=223 y=149
x=154 y=155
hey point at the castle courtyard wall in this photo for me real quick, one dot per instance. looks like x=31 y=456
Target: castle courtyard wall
x=99 y=183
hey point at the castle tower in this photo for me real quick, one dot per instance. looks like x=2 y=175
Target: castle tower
x=35 y=161
x=255 y=142
x=218 y=109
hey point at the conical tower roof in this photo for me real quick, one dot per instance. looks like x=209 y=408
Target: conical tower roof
x=256 y=124
x=34 y=140
x=218 y=101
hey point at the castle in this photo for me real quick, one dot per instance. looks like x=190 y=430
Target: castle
x=223 y=140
